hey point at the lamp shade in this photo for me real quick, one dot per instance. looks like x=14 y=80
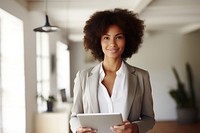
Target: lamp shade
x=47 y=27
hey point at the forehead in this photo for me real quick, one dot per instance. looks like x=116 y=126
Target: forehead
x=114 y=28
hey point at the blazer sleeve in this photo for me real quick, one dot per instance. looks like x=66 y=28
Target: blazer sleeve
x=146 y=121
x=77 y=104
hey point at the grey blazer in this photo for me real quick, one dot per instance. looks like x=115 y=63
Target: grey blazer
x=140 y=103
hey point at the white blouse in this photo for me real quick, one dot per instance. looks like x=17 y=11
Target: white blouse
x=117 y=102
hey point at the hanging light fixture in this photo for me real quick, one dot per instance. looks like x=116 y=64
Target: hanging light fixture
x=47 y=27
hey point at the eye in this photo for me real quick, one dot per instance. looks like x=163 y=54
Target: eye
x=120 y=37
x=105 y=38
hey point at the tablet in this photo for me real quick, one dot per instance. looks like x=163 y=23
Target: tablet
x=100 y=121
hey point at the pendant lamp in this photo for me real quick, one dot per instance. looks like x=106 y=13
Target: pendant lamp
x=47 y=27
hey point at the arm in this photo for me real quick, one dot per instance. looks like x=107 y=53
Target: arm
x=77 y=104
x=147 y=120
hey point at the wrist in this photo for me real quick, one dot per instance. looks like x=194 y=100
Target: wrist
x=135 y=128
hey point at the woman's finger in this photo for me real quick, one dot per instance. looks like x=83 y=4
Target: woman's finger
x=86 y=130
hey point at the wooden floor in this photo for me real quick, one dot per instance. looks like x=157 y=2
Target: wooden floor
x=174 y=127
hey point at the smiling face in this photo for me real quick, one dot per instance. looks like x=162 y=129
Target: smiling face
x=113 y=42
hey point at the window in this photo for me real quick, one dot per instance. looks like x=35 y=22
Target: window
x=43 y=68
x=12 y=79
x=63 y=67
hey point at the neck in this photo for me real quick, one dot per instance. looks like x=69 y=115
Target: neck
x=112 y=65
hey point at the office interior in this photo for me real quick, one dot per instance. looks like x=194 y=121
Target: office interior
x=171 y=39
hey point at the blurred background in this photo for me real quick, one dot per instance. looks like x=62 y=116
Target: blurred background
x=36 y=65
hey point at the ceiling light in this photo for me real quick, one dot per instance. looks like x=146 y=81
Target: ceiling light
x=47 y=27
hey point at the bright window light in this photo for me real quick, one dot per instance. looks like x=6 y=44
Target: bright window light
x=63 y=67
x=43 y=69
x=12 y=79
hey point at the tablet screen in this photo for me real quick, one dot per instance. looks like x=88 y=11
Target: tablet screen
x=100 y=121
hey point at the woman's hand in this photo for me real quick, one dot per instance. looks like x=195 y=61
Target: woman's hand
x=126 y=127
x=85 y=130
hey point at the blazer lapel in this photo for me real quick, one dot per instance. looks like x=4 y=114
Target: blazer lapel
x=93 y=80
x=132 y=87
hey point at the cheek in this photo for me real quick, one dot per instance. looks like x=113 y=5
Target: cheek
x=103 y=47
x=122 y=44
x=103 y=44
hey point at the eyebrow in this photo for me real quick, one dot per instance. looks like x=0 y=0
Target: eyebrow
x=115 y=35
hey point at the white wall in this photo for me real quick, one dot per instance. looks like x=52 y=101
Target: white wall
x=30 y=20
x=159 y=52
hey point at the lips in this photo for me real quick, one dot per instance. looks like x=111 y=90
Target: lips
x=113 y=50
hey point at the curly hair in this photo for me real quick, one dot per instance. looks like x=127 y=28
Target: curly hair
x=100 y=21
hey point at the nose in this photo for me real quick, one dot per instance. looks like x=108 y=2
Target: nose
x=112 y=42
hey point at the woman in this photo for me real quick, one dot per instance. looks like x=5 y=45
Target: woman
x=114 y=86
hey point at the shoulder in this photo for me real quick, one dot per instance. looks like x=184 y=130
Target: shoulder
x=136 y=70
x=85 y=71
x=89 y=71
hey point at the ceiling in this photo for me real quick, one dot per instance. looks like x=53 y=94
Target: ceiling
x=70 y=15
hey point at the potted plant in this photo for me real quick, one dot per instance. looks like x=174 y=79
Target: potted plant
x=185 y=99
x=49 y=101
